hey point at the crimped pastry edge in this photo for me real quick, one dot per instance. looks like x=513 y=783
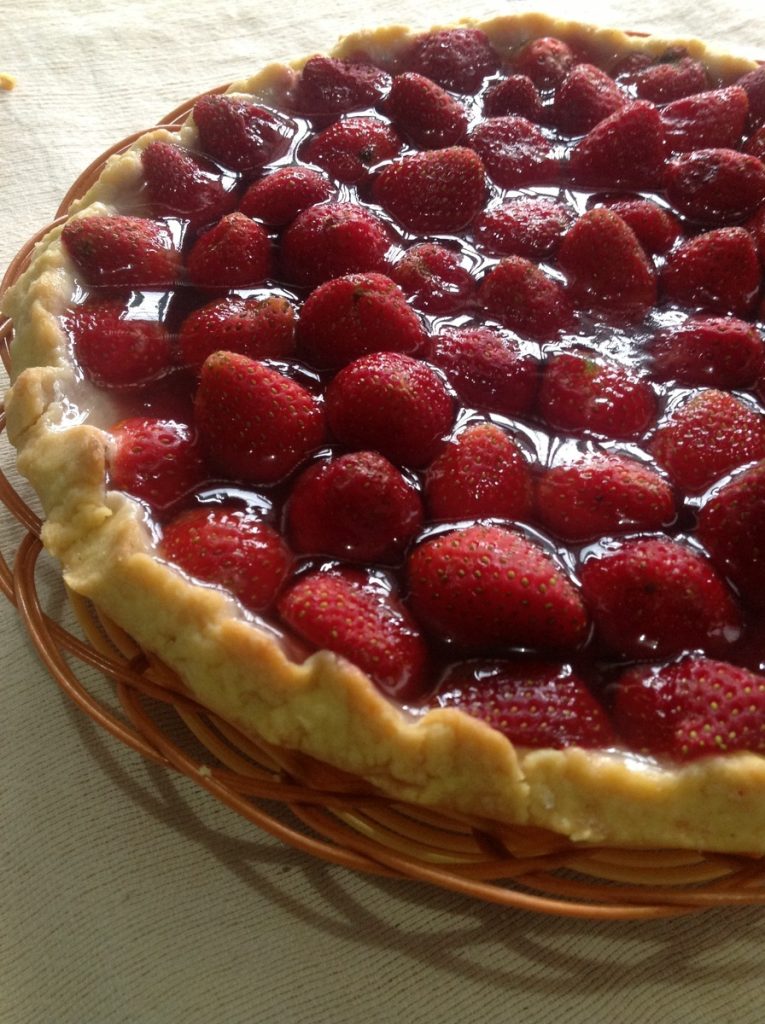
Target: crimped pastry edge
x=325 y=707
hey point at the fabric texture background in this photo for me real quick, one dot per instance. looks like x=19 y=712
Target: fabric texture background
x=126 y=895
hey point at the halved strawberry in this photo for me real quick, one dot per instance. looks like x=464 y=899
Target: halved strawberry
x=490 y=587
x=241 y=134
x=514 y=151
x=717 y=271
x=656 y=228
x=720 y=351
x=707 y=437
x=521 y=296
x=606 y=266
x=181 y=185
x=229 y=547
x=515 y=94
x=256 y=424
x=350 y=613
x=601 y=495
x=627 y=149
x=584 y=98
x=371 y=394
x=480 y=474
x=425 y=113
x=716 y=118
x=156 y=460
x=357 y=506
x=583 y=392
x=433 y=278
x=333 y=239
x=692 y=708
x=487 y=369
x=715 y=186
x=114 y=347
x=120 y=251
x=433 y=192
x=533 y=703
x=731 y=526
x=330 y=86
x=456 y=58
x=348 y=148
x=354 y=315
x=280 y=196
x=527 y=226
x=258 y=328
x=546 y=61
x=656 y=597
x=234 y=253
x=670 y=79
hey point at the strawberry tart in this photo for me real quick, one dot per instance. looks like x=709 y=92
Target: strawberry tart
x=409 y=403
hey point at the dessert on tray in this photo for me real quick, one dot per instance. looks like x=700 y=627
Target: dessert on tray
x=409 y=403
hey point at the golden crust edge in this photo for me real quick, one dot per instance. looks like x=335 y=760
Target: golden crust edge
x=444 y=759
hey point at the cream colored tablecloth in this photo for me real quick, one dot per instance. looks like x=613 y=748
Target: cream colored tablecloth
x=125 y=894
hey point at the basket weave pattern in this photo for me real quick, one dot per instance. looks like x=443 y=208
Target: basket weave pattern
x=321 y=811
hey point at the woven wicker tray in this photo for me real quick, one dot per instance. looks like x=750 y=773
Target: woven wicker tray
x=317 y=809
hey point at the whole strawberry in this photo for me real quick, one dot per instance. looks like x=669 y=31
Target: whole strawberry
x=331 y=240
x=330 y=86
x=234 y=253
x=182 y=185
x=256 y=424
x=433 y=192
x=515 y=94
x=715 y=186
x=482 y=473
x=433 y=278
x=456 y=58
x=533 y=703
x=692 y=708
x=425 y=113
x=671 y=79
x=348 y=612
x=706 y=120
x=240 y=134
x=347 y=149
x=280 y=196
x=522 y=297
x=372 y=394
x=656 y=598
x=229 y=547
x=585 y=97
x=718 y=271
x=122 y=252
x=719 y=351
x=258 y=328
x=514 y=151
x=656 y=228
x=490 y=587
x=112 y=348
x=526 y=226
x=546 y=61
x=357 y=507
x=627 y=149
x=354 y=315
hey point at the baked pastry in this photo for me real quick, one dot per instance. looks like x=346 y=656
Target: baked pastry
x=408 y=403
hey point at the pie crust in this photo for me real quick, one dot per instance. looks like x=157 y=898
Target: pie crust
x=322 y=706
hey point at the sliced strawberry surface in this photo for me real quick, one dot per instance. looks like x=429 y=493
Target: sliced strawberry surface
x=515 y=94
x=256 y=424
x=433 y=278
x=427 y=115
x=231 y=548
x=656 y=228
x=357 y=506
x=717 y=271
x=712 y=119
x=457 y=58
x=487 y=369
x=280 y=196
x=628 y=149
x=603 y=495
x=330 y=86
x=657 y=598
x=347 y=612
x=347 y=149
x=156 y=460
x=533 y=703
x=585 y=97
x=713 y=433
x=522 y=297
x=114 y=347
x=606 y=267
x=433 y=192
x=123 y=252
x=526 y=226
x=514 y=151
x=692 y=708
x=731 y=526
x=581 y=392
x=181 y=185
x=482 y=473
x=721 y=352
x=671 y=80
x=715 y=186
x=240 y=134
x=234 y=253
x=258 y=328
x=490 y=587
x=546 y=61
x=354 y=315
x=330 y=240
x=390 y=403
